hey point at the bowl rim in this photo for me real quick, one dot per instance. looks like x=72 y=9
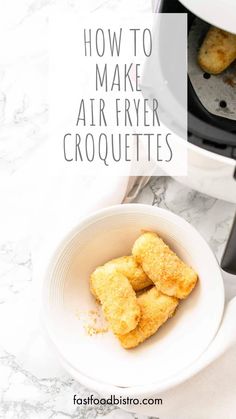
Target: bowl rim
x=106 y=388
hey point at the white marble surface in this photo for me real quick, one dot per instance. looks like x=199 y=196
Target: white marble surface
x=32 y=383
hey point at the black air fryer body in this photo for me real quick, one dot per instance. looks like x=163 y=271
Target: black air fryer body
x=210 y=132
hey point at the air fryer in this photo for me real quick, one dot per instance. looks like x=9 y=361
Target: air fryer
x=211 y=117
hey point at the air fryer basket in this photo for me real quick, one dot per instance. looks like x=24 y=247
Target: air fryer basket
x=208 y=130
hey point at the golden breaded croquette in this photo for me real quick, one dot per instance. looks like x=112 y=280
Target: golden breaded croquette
x=170 y=274
x=218 y=51
x=156 y=308
x=118 y=299
x=128 y=266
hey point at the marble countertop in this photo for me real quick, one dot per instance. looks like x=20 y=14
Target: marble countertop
x=32 y=383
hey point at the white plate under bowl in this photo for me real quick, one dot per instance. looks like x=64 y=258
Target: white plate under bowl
x=220 y=13
x=111 y=233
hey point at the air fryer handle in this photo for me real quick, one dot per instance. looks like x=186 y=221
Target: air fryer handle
x=228 y=262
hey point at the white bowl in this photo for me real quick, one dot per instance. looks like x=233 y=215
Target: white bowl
x=222 y=15
x=99 y=361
